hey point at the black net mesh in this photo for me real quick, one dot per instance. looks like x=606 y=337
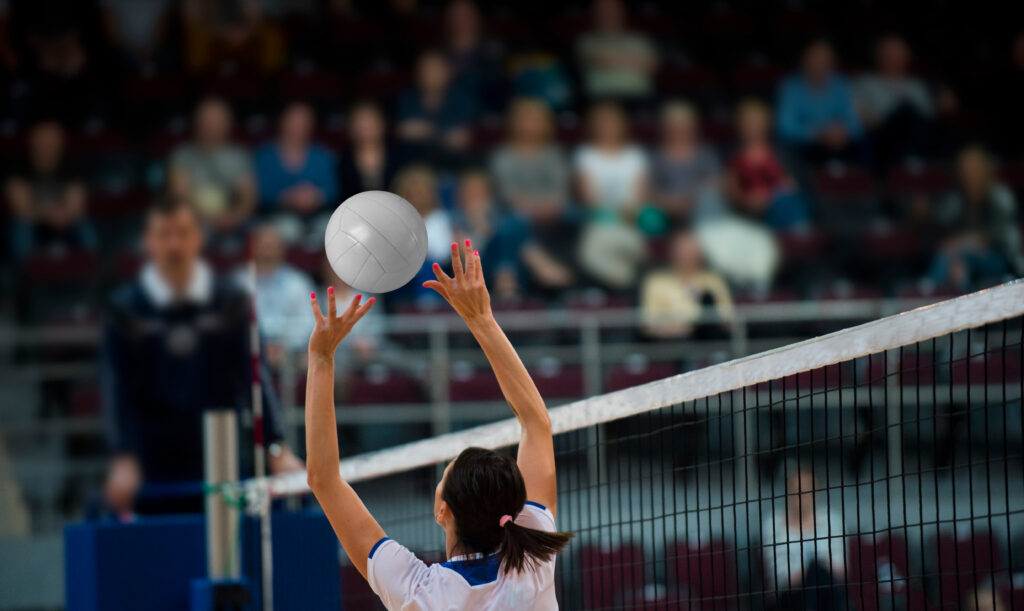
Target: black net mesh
x=892 y=481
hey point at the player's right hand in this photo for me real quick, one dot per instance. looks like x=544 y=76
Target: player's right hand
x=466 y=291
x=329 y=331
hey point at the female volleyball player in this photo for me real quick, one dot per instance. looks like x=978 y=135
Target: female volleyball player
x=498 y=515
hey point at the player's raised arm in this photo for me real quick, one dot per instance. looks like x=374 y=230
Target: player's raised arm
x=467 y=294
x=352 y=523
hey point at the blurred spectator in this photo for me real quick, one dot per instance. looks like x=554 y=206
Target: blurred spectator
x=476 y=62
x=804 y=548
x=532 y=178
x=685 y=174
x=895 y=106
x=756 y=183
x=982 y=242
x=540 y=74
x=297 y=176
x=371 y=162
x=137 y=28
x=278 y=284
x=230 y=34
x=47 y=197
x=418 y=185
x=120 y=489
x=985 y=597
x=530 y=170
x=816 y=112
x=672 y=300
x=612 y=171
x=176 y=343
x=615 y=62
x=612 y=174
x=213 y=172
x=365 y=340
x=436 y=112
x=499 y=238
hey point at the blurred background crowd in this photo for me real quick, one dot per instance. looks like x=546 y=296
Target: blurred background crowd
x=680 y=162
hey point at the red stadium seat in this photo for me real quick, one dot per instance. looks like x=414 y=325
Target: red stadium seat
x=997 y=367
x=612 y=577
x=963 y=562
x=844 y=182
x=892 y=244
x=473 y=384
x=104 y=204
x=802 y=245
x=69 y=265
x=877 y=569
x=308 y=260
x=555 y=381
x=707 y=573
x=382 y=385
x=311 y=85
x=919 y=180
x=635 y=373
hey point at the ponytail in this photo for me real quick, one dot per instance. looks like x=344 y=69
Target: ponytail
x=525 y=548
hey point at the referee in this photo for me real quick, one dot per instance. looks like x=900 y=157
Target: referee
x=176 y=343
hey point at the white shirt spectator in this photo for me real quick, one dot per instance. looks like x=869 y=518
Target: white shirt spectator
x=282 y=312
x=615 y=176
x=405 y=582
x=787 y=550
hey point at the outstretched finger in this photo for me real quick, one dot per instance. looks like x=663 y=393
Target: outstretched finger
x=470 y=269
x=437 y=286
x=457 y=270
x=332 y=306
x=442 y=277
x=352 y=306
x=318 y=315
x=364 y=308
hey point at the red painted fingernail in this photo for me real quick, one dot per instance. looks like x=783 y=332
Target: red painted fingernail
x=476 y=252
x=359 y=296
x=330 y=290
x=454 y=245
x=437 y=266
x=467 y=241
x=312 y=295
x=372 y=299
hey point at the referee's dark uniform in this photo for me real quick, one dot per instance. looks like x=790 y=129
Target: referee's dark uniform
x=165 y=361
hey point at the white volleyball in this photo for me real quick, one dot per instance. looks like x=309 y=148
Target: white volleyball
x=376 y=241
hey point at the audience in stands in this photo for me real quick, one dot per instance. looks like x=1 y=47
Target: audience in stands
x=685 y=174
x=436 y=113
x=533 y=179
x=230 y=36
x=816 y=113
x=614 y=61
x=804 y=548
x=417 y=183
x=370 y=161
x=116 y=502
x=297 y=176
x=499 y=237
x=612 y=175
x=277 y=284
x=673 y=300
x=895 y=106
x=215 y=173
x=47 y=197
x=979 y=222
x=757 y=184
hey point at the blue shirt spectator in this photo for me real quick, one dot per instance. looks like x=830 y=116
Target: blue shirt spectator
x=436 y=111
x=816 y=105
x=293 y=172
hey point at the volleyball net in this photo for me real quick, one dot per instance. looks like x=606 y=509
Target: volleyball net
x=879 y=467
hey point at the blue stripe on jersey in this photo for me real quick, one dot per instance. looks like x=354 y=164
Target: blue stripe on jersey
x=537 y=505
x=477 y=571
x=376 y=545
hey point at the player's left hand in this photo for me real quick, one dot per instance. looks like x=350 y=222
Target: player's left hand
x=329 y=331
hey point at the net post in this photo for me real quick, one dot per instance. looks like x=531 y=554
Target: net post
x=440 y=401
x=220 y=466
x=893 y=419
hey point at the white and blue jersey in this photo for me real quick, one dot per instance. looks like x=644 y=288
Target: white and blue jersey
x=406 y=583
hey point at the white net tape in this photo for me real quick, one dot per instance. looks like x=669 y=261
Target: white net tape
x=977 y=309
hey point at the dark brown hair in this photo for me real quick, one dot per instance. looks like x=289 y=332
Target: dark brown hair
x=481 y=487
